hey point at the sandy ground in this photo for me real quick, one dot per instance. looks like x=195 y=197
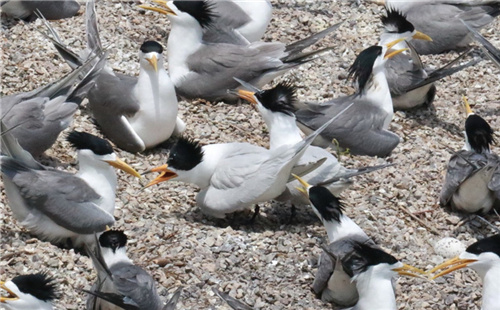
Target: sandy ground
x=269 y=265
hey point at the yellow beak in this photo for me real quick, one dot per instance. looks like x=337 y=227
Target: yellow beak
x=421 y=36
x=468 y=110
x=154 y=62
x=391 y=44
x=165 y=175
x=456 y=263
x=247 y=95
x=304 y=184
x=408 y=270
x=11 y=297
x=394 y=53
x=167 y=10
x=120 y=164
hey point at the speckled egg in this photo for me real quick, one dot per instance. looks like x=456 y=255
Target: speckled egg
x=449 y=247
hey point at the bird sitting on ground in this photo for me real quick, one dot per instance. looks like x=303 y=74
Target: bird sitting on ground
x=53 y=10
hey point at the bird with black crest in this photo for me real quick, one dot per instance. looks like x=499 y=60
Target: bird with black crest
x=205 y=70
x=35 y=291
x=364 y=128
x=472 y=183
x=58 y=206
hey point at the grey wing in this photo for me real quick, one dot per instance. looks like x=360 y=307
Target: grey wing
x=230 y=15
x=53 y=10
x=64 y=198
x=492 y=52
x=214 y=66
x=494 y=183
x=441 y=22
x=136 y=284
x=111 y=100
x=359 y=128
x=462 y=164
x=402 y=73
x=325 y=271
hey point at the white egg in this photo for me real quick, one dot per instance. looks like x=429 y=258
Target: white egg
x=449 y=247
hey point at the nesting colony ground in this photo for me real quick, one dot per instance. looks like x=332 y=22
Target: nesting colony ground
x=269 y=265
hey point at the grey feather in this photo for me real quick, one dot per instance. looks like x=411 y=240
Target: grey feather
x=492 y=52
x=232 y=302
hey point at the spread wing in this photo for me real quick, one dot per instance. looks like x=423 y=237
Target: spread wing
x=66 y=199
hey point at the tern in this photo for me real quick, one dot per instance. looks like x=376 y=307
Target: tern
x=441 y=21
x=373 y=269
x=32 y=291
x=58 y=206
x=232 y=176
x=410 y=84
x=205 y=70
x=332 y=283
x=25 y=9
x=277 y=107
x=135 y=113
x=472 y=181
x=40 y=115
x=363 y=129
x=492 y=52
x=120 y=284
x=483 y=257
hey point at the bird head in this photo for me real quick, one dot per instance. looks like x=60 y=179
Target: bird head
x=150 y=55
x=33 y=291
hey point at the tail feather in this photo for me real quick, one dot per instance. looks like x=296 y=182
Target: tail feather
x=351 y=173
x=232 y=302
x=93 y=39
x=172 y=303
x=296 y=48
x=86 y=84
x=115 y=299
x=306 y=57
x=11 y=147
x=492 y=52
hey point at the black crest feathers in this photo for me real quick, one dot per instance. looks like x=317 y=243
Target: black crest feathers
x=479 y=133
x=151 y=46
x=329 y=206
x=365 y=256
x=362 y=67
x=396 y=22
x=490 y=244
x=281 y=98
x=113 y=239
x=202 y=11
x=185 y=154
x=39 y=285
x=86 y=141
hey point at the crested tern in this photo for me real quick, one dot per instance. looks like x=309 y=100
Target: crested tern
x=277 y=107
x=25 y=9
x=441 y=21
x=120 y=283
x=472 y=181
x=232 y=176
x=58 y=206
x=331 y=282
x=364 y=128
x=483 y=257
x=136 y=113
x=205 y=70
x=31 y=291
x=372 y=269
x=40 y=115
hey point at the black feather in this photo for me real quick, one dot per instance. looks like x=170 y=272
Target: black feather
x=479 y=133
x=396 y=22
x=329 y=206
x=151 y=46
x=490 y=244
x=185 y=154
x=362 y=68
x=113 y=239
x=86 y=141
x=202 y=11
x=39 y=285
x=365 y=256
x=281 y=98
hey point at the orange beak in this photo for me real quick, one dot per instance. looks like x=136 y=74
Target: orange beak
x=165 y=175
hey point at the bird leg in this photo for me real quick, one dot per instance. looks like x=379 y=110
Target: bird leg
x=482 y=219
x=255 y=213
x=293 y=213
x=338 y=149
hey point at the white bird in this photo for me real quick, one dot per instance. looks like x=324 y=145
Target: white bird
x=364 y=128
x=58 y=206
x=135 y=113
x=472 y=181
x=232 y=176
x=441 y=21
x=28 y=292
x=120 y=283
x=483 y=257
x=25 y=9
x=205 y=70
x=277 y=107
x=39 y=116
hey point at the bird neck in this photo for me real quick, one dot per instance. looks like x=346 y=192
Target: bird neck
x=342 y=229
x=283 y=130
x=184 y=39
x=118 y=256
x=101 y=177
x=491 y=288
x=375 y=292
x=378 y=93
x=388 y=37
